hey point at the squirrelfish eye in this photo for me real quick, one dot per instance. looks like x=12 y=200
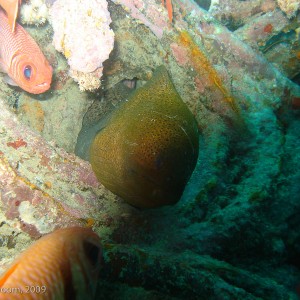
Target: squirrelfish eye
x=27 y=72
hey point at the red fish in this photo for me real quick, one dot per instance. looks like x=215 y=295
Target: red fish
x=22 y=59
x=168 y=5
x=61 y=265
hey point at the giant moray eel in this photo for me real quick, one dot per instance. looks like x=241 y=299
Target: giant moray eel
x=148 y=148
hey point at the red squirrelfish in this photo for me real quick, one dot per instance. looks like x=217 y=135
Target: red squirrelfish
x=22 y=59
x=61 y=265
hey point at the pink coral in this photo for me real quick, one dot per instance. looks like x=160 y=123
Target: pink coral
x=82 y=34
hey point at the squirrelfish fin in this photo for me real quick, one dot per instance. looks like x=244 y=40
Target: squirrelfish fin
x=7 y=274
x=9 y=81
x=11 y=7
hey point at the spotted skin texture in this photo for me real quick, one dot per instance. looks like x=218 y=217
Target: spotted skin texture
x=149 y=147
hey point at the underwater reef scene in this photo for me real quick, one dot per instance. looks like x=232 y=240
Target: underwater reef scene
x=193 y=104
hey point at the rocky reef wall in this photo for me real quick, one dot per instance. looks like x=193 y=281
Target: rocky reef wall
x=235 y=232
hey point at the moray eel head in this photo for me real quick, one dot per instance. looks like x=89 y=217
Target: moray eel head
x=148 y=149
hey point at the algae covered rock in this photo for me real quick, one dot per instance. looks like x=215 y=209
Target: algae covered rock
x=149 y=147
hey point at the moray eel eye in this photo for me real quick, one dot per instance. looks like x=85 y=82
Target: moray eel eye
x=27 y=72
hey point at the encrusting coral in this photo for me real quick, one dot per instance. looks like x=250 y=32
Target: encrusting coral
x=86 y=46
x=149 y=148
x=86 y=81
x=34 y=13
x=290 y=7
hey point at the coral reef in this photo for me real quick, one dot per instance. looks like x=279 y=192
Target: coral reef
x=148 y=149
x=60 y=127
x=86 y=46
x=235 y=232
x=47 y=183
x=34 y=13
x=197 y=58
x=290 y=7
x=263 y=28
x=87 y=81
x=146 y=12
x=266 y=28
x=33 y=114
x=274 y=36
x=235 y=13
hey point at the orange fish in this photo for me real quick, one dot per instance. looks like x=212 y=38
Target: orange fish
x=22 y=59
x=11 y=7
x=168 y=5
x=61 y=265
